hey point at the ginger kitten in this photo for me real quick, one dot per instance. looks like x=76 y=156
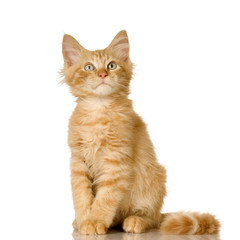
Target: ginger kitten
x=115 y=176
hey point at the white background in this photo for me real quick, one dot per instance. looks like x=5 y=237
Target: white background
x=186 y=87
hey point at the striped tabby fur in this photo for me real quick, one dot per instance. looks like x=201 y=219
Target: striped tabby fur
x=115 y=176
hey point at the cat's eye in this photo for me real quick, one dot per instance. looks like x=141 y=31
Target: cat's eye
x=112 y=66
x=89 y=67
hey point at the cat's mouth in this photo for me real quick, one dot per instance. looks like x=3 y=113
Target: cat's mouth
x=103 y=83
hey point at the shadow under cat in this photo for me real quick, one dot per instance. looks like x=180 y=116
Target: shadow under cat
x=119 y=235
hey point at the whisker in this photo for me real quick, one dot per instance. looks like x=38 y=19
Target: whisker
x=121 y=85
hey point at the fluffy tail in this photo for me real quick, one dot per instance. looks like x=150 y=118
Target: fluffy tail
x=189 y=223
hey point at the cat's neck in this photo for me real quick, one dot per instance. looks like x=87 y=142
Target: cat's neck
x=98 y=103
x=94 y=99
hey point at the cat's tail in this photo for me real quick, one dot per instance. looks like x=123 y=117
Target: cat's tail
x=189 y=223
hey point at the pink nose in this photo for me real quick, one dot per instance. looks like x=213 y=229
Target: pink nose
x=102 y=75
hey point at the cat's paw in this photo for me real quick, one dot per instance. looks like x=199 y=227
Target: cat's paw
x=134 y=224
x=92 y=227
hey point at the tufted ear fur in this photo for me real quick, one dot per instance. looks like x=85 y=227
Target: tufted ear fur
x=71 y=50
x=120 y=46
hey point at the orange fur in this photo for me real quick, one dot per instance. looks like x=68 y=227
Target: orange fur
x=115 y=176
x=189 y=223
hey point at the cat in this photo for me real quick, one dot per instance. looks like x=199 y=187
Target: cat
x=115 y=176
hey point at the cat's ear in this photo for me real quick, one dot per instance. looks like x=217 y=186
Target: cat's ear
x=120 y=46
x=71 y=50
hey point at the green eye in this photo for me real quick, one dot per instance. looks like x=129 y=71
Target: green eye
x=89 y=67
x=112 y=66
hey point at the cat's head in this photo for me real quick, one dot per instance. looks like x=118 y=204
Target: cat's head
x=102 y=73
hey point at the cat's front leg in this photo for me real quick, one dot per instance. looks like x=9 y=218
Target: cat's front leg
x=111 y=188
x=81 y=190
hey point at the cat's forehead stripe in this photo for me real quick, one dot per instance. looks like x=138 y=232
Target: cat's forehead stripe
x=100 y=58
